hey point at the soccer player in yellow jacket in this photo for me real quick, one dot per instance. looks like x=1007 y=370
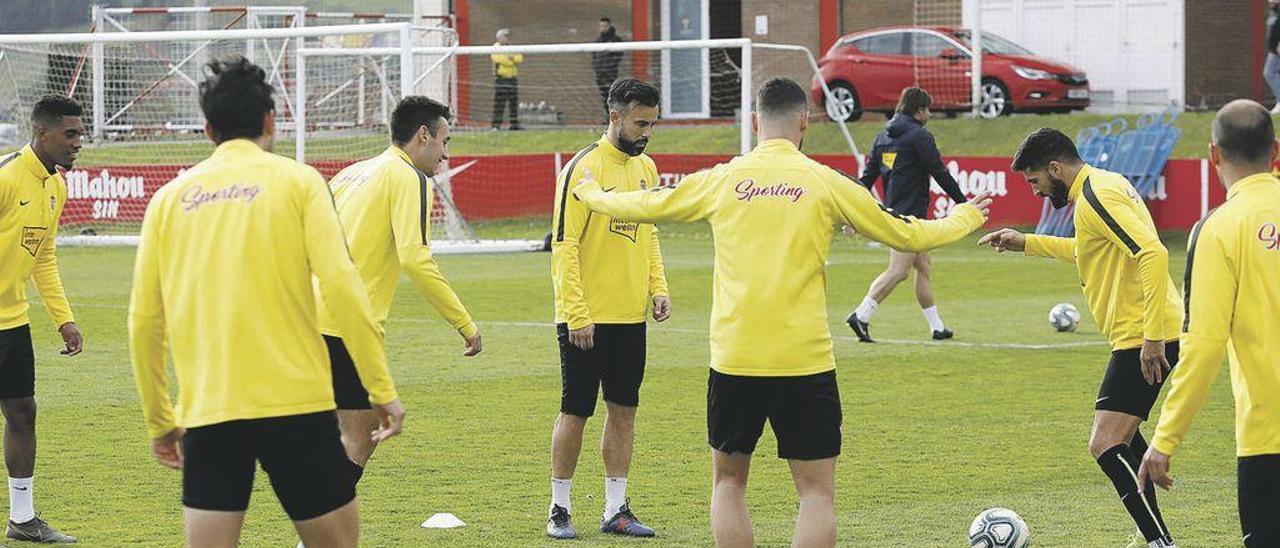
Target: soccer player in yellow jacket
x=506 y=82
x=385 y=205
x=606 y=272
x=1233 y=310
x=1124 y=274
x=223 y=285
x=773 y=213
x=32 y=195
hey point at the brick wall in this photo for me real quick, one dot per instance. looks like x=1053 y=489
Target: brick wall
x=789 y=23
x=564 y=81
x=1222 y=60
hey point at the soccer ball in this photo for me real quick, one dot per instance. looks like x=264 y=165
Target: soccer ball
x=1064 y=317
x=999 y=528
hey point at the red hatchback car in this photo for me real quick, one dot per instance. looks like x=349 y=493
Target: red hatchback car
x=867 y=71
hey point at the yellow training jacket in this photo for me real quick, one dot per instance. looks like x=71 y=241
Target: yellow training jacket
x=506 y=65
x=1233 y=308
x=604 y=270
x=223 y=282
x=1123 y=267
x=772 y=213
x=31 y=201
x=384 y=204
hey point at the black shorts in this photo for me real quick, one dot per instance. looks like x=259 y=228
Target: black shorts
x=803 y=411
x=301 y=454
x=17 y=363
x=1123 y=388
x=1258 y=488
x=348 y=391
x=615 y=362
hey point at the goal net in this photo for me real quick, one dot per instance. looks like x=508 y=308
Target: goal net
x=336 y=86
x=943 y=60
x=508 y=144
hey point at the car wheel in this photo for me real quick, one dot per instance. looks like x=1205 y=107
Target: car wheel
x=995 y=100
x=843 y=106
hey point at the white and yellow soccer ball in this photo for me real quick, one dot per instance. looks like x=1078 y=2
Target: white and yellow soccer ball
x=1064 y=317
x=999 y=528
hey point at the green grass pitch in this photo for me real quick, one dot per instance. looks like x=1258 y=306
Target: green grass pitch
x=934 y=433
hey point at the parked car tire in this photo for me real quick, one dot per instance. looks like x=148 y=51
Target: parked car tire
x=995 y=99
x=846 y=107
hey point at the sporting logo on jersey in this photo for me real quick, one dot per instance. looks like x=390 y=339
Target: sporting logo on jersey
x=1269 y=235
x=748 y=191
x=888 y=158
x=197 y=197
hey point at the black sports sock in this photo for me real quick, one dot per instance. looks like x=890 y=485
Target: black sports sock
x=1121 y=466
x=1139 y=446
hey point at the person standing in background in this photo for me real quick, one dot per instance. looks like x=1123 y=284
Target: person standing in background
x=605 y=63
x=506 y=88
x=1271 y=69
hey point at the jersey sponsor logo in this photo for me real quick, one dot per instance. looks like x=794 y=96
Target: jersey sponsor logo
x=627 y=229
x=748 y=191
x=888 y=158
x=1269 y=235
x=33 y=238
x=197 y=197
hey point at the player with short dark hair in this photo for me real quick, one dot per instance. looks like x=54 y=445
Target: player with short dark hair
x=606 y=273
x=385 y=204
x=223 y=285
x=1124 y=274
x=772 y=212
x=32 y=196
x=906 y=157
x=1232 y=302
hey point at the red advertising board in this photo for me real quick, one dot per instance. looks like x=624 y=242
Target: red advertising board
x=521 y=185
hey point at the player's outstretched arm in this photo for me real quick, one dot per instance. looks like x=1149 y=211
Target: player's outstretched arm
x=686 y=203
x=858 y=208
x=1005 y=239
x=1034 y=245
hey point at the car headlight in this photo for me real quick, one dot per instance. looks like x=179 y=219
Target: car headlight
x=1032 y=74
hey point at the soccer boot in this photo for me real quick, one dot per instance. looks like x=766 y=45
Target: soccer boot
x=37 y=530
x=943 y=335
x=560 y=525
x=860 y=328
x=626 y=523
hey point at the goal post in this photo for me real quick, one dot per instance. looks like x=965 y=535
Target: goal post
x=336 y=86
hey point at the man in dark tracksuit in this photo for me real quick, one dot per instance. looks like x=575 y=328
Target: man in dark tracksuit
x=905 y=156
x=605 y=63
x=1271 y=68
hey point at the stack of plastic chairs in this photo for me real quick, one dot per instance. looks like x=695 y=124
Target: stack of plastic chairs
x=1139 y=154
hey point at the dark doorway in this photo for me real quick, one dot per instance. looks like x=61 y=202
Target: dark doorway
x=726 y=22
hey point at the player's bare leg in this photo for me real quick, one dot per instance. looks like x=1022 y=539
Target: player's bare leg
x=339 y=528
x=898 y=271
x=923 y=266
x=730 y=522
x=816 y=484
x=566 y=446
x=616 y=445
x=211 y=528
